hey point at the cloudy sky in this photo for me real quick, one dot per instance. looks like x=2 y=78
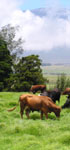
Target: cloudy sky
x=40 y=33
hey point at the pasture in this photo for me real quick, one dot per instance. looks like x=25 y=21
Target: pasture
x=32 y=134
x=56 y=70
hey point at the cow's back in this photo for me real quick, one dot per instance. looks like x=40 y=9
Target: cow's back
x=36 y=88
x=53 y=94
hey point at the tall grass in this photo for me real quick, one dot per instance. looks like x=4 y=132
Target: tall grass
x=32 y=134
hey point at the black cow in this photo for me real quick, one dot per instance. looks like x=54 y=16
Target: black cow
x=53 y=94
x=67 y=103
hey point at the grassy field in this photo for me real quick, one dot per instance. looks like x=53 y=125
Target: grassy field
x=56 y=70
x=32 y=134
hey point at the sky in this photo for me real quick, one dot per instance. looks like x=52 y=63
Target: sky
x=31 y=4
x=39 y=33
x=65 y=3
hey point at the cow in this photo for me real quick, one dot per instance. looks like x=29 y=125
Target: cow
x=53 y=94
x=67 y=103
x=36 y=88
x=45 y=105
x=66 y=91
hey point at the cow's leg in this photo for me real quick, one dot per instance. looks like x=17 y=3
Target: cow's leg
x=34 y=92
x=21 y=109
x=45 y=112
x=27 y=114
x=41 y=114
x=46 y=115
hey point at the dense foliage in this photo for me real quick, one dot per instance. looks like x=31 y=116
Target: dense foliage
x=26 y=73
x=20 y=76
x=22 y=73
x=5 y=64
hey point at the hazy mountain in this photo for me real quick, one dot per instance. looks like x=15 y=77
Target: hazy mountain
x=58 y=55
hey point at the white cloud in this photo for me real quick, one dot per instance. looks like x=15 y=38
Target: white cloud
x=39 y=33
x=43 y=33
x=7 y=7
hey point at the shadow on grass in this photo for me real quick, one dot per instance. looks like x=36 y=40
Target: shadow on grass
x=65 y=140
x=36 y=116
x=12 y=104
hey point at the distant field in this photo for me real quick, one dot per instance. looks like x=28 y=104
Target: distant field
x=52 y=81
x=52 y=72
x=33 y=133
x=56 y=70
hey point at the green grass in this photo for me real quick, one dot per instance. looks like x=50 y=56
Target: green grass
x=32 y=134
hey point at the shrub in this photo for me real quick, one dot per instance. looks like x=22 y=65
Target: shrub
x=61 y=82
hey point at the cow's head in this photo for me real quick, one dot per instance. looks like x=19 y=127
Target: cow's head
x=57 y=112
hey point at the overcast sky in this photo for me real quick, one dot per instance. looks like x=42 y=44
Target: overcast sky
x=39 y=33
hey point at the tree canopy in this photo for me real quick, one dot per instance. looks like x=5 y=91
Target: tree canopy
x=5 y=64
x=27 y=73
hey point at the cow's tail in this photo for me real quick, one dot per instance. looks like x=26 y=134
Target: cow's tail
x=11 y=109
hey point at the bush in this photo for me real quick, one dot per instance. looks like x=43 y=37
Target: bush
x=62 y=82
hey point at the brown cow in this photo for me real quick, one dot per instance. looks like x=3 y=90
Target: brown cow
x=37 y=103
x=36 y=88
x=66 y=91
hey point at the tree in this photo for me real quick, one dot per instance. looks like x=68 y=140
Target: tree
x=58 y=83
x=61 y=82
x=14 y=44
x=67 y=83
x=5 y=64
x=27 y=73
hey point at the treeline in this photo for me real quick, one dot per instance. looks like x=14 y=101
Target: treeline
x=17 y=73
x=46 y=64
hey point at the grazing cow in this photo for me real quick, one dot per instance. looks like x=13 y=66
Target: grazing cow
x=66 y=91
x=53 y=94
x=36 y=88
x=29 y=102
x=67 y=103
